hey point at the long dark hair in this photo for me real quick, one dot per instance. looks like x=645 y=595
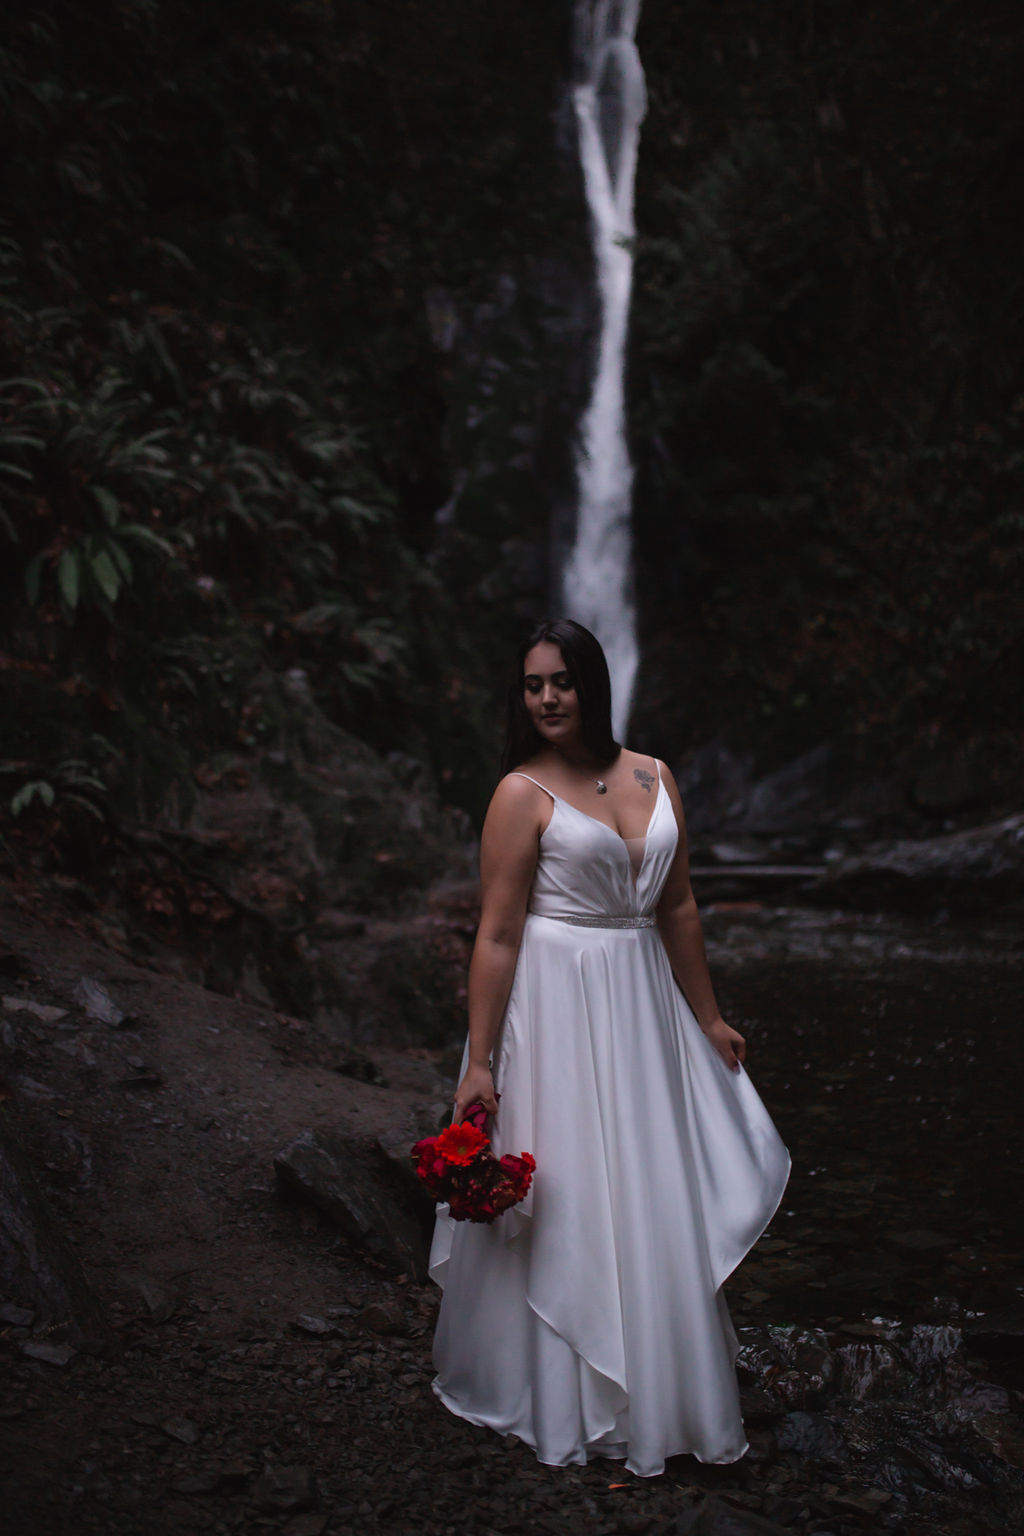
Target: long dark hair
x=588 y=671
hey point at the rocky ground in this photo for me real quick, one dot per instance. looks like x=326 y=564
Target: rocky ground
x=264 y=1372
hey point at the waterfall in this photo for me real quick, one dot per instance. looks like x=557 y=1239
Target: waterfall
x=609 y=98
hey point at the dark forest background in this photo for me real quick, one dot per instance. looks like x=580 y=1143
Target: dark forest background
x=295 y=320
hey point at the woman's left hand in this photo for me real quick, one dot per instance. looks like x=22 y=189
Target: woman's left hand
x=728 y=1042
x=476 y=1086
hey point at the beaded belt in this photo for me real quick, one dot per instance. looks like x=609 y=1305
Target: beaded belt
x=603 y=922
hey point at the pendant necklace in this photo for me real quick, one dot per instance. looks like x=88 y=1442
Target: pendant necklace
x=602 y=787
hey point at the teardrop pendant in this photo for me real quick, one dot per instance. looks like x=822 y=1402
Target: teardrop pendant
x=602 y=787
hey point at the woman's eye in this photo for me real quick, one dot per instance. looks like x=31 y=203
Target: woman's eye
x=562 y=684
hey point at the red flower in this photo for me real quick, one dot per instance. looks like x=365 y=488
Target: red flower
x=458 y=1166
x=459 y=1144
x=476 y=1114
x=520 y=1173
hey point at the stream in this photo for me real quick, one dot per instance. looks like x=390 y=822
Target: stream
x=881 y=1316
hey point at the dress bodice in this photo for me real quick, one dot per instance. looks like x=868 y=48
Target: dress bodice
x=585 y=869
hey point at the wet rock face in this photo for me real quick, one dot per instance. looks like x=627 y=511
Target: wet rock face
x=900 y=1409
x=361 y=1197
x=723 y=793
x=967 y=872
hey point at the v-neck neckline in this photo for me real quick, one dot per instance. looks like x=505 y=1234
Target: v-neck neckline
x=559 y=800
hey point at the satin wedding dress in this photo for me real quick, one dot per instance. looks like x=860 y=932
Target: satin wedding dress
x=589 y=1320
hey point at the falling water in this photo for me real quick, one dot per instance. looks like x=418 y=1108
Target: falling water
x=609 y=97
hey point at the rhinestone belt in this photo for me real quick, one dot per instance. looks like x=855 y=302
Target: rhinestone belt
x=603 y=922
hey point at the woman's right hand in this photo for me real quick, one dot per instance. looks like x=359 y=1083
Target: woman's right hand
x=476 y=1087
x=728 y=1042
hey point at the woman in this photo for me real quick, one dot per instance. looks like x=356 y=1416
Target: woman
x=589 y=1320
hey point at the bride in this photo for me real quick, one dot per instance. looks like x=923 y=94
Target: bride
x=589 y=1320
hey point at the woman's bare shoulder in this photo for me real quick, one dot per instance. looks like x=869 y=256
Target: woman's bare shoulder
x=517 y=792
x=668 y=778
x=630 y=759
x=640 y=763
x=519 y=810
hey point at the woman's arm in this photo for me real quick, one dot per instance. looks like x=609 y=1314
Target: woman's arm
x=508 y=858
x=679 y=926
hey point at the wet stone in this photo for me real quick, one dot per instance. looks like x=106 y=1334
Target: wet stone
x=49 y=1354
x=870 y=1371
x=204 y=1482
x=310 y=1524
x=186 y=1431
x=97 y=1002
x=810 y=1434
x=800 y=1389
x=1005 y=1434
x=812 y=1357
x=867 y=1330
x=759 y=1406
x=45 y=1012
x=286 y=1490
x=784 y=1510
x=317 y=1326
x=714 y=1517
x=161 y=1301
x=763 y=1446
x=866 y=1501
x=235 y=1473
x=388 y=1321
x=16 y=1317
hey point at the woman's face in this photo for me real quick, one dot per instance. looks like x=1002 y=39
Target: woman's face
x=550 y=697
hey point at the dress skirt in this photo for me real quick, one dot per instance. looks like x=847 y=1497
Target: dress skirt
x=589 y=1320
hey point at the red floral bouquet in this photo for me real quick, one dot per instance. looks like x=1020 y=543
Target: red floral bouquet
x=458 y=1166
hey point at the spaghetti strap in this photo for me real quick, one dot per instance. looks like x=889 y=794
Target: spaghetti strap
x=520 y=775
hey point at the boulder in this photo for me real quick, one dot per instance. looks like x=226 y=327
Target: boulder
x=967 y=871
x=38 y=1265
x=352 y=1186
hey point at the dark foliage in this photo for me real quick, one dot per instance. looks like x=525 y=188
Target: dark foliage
x=828 y=371
x=292 y=336
x=238 y=244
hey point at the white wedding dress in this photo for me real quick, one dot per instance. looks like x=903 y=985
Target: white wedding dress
x=589 y=1320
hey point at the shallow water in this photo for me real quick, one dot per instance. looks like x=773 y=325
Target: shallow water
x=886 y=1050
x=887 y=1054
